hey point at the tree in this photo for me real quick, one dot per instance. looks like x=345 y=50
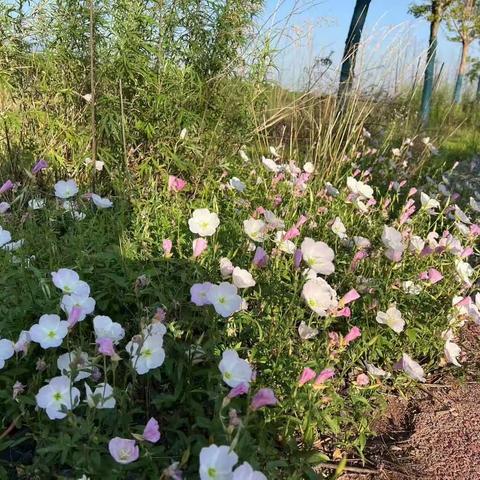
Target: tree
x=351 y=48
x=434 y=11
x=474 y=75
x=463 y=20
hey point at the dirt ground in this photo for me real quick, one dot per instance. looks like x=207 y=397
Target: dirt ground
x=436 y=435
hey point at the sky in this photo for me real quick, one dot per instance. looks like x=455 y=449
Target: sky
x=396 y=41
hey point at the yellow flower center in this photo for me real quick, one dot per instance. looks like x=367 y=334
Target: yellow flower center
x=52 y=334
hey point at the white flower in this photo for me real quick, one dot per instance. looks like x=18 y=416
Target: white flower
x=6 y=351
x=428 y=203
x=36 y=203
x=101 y=202
x=154 y=328
x=474 y=205
x=23 y=342
x=216 y=463
x=392 y=238
x=273 y=221
x=242 y=278
x=57 y=396
x=86 y=305
x=361 y=242
x=246 y=472
x=49 y=331
x=359 y=189
x=4 y=206
x=452 y=352
x=235 y=370
x=237 y=184
x=198 y=293
x=243 y=156
x=461 y=216
x=203 y=222
x=147 y=355
x=376 y=371
x=226 y=268
x=66 y=189
x=318 y=256
x=78 y=360
x=69 y=282
x=306 y=332
x=412 y=368
x=13 y=246
x=409 y=287
x=416 y=244
x=271 y=165
x=331 y=190
x=464 y=271
x=338 y=228
x=256 y=229
x=101 y=397
x=224 y=299
x=393 y=318
x=396 y=152
x=105 y=328
x=308 y=167
x=5 y=237
x=286 y=246
x=320 y=296
x=393 y=241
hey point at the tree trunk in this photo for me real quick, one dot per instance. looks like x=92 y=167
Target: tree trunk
x=478 y=89
x=351 y=47
x=430 y=67
x=457 y=95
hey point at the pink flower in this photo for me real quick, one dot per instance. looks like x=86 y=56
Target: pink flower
x=434 y=276
x=199 y=245
x=260 y=258
x=176 y=184
x=105 y=347
x=292 y=233
x=297 y=258
x=349 y=297
x=352 y=335
x=343 y=312
x=301 y=221
x=423 y=276
x=324 y=375
x=167 y=247
x=411 y=192
x=307 y=375
x=39 y=166
x=262 y=398
x=360 y=255
x=240 y=389
x=474 y=230
x=371 y=202
x=466 y=252
x=8 y=185
x=277 y=200
x=74 y=316
x=123 y=450
x=362 y=380
x=464 y=302
x=151 y=432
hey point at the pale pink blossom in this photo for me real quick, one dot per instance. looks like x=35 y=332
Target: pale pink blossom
x=307 y=375
x=176 y=184
x=324 y=375
x=199 y=245
x=123 y=450
x=167 y=247
x=352 y=335
x=264 y=397
x=151 y=432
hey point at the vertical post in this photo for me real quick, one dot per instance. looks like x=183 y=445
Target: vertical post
x=478 y=90
x=93 y=93
x=430 y=67
x=351 y=48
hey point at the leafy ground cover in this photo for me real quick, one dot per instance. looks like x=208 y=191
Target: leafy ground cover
x=260 y=309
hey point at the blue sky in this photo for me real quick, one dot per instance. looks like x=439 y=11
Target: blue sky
x=388 y=25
